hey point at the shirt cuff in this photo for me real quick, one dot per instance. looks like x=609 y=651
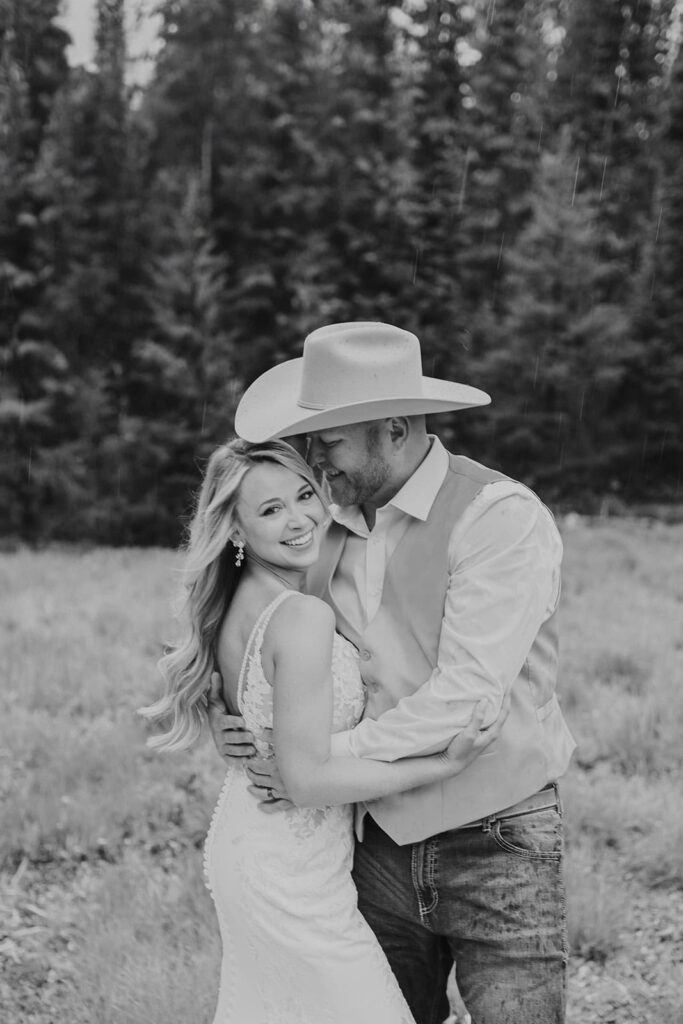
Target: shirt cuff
x=340 y=744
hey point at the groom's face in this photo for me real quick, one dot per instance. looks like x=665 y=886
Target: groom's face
x=353 y=460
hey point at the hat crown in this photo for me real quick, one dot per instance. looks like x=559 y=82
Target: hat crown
x=358 y=361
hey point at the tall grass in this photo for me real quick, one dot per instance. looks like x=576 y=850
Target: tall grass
x=150 y=948
x=620 y=686
x=81 y=633
x=82 y=800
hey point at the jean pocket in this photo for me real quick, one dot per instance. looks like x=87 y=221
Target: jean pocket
x=534 y=836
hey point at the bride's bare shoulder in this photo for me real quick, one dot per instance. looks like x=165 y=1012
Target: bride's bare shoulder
x=300 y=620
x=300 y=616
x=301 y=631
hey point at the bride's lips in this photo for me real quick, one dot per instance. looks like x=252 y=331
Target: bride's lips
x=302 y=541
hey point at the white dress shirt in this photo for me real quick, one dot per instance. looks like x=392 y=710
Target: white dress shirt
x=504 y=556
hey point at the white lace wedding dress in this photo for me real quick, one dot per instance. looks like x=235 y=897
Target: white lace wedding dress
x=296 y=949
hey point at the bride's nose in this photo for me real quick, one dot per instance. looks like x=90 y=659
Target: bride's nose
x=298 y=520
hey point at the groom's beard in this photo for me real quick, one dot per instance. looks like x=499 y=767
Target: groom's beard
x=362 y=485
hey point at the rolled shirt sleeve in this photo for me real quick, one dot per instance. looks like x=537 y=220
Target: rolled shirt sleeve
x=504 y=582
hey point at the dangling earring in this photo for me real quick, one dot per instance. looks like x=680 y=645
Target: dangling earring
x=239 y=552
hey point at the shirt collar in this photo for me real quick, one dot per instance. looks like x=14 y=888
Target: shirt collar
x=415 y=498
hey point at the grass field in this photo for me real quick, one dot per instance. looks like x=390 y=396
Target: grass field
x=104 y=918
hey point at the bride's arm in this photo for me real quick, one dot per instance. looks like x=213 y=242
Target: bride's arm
x=300 y=644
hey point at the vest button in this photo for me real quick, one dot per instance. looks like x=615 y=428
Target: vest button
x=365 y=655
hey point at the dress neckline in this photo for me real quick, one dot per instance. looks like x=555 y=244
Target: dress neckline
x=262 y=620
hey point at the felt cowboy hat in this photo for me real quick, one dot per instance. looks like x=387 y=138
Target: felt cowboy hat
x=348 y=373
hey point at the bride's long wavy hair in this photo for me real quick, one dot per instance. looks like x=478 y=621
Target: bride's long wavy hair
x=210 y=579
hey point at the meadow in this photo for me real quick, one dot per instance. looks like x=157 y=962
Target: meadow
x=104 y=917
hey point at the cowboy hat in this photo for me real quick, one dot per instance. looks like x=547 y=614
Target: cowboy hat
x=349 y=373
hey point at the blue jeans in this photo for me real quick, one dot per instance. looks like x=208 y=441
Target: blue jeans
x=490 y=898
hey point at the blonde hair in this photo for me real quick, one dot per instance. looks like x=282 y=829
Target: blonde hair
x=210 y=581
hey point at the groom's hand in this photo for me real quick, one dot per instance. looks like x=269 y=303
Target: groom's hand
x=267 y=785
x=231 y=738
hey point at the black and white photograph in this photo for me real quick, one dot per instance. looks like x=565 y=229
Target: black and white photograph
x=341 y=517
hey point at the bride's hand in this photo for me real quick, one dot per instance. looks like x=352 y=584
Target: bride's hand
x=473 y=740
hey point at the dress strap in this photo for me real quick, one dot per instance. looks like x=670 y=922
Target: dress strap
x=255 y=642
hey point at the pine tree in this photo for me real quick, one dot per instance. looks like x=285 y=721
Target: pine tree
x=607 y=94
x=358 y=258
x=302 y=160
x=181 y=389
x=436 y=83
x=502 y=135
x=33 y=384
x=649 y=404
x=562 y=351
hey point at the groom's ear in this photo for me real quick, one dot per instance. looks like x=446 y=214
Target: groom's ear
x=399 y=430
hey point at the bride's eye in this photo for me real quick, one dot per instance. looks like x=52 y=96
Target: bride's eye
x=307 y=495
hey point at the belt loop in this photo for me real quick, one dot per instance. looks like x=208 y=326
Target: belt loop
x=558 y=801
x=487 y=823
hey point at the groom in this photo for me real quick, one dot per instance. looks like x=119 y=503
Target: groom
x=446 y=576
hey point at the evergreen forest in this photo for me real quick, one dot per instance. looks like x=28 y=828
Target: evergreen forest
x=502 y=177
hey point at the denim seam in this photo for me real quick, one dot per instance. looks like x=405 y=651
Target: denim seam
x=554 y=855
x=416 y=884
x=429 y=851
x=563 y=908
x=430 y=864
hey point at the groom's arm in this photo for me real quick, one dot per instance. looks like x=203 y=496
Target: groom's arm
x=504 y=564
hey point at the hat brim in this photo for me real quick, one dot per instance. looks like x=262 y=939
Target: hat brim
x=269 y=409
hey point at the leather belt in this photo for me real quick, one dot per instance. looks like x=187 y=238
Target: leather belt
x=543 y=800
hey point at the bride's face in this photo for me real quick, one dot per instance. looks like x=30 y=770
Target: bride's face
x=280 y=517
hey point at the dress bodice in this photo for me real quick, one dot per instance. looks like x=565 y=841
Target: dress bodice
x=255 y=693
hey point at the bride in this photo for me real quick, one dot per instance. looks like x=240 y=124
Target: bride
x=296 y=949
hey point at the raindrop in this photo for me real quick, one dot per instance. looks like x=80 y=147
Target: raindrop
x=415 y=263
x=203 y=416
x=581 y=404
x=602 y=182
x=576 y=178
x=30 y=464
x=461 y=197
x=118 y=482
x=540 y=136
x=491 y=13
x=536 y=367
x=620 y=72
x=500 y=251
x=659 y=223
